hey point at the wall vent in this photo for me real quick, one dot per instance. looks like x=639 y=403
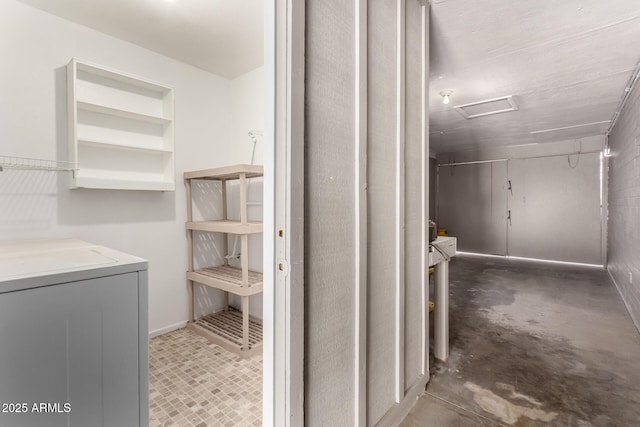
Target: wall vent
x=487 y=107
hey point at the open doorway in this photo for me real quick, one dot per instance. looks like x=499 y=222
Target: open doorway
x=211 y=57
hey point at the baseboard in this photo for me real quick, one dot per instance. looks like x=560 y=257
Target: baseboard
x=635 y=321
x=399 y=411
x=167 y=329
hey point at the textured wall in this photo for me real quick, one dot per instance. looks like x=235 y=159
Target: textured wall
x=623 y=245
x=329 y=214
x=365 y=341
x=382 y=222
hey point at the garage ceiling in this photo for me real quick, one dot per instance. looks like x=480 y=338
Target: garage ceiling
x=224 y=37
x=566 y=63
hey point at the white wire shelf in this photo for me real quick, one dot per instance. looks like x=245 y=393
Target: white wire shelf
x=27 y=163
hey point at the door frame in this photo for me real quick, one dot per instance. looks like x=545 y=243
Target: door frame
x=283 y=256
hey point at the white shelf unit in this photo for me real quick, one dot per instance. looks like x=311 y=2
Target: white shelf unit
x=229 y=328
x=121 y=131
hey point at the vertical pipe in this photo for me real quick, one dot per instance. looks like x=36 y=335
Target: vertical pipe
x=441 y=317
x=506 y=222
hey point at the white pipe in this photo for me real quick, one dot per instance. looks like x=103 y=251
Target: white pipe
x=625 y=96
x=253 y=134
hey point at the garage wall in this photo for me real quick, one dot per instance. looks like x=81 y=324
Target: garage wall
x=473 y=206
x=366 y=203
x=554 y=200
x=624 y=205
x=555 y=208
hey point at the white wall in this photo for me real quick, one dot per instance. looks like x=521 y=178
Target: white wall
x=624 y=205
x=247 y=96
x=35 y=47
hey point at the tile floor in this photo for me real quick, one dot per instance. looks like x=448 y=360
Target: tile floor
x=195 y=383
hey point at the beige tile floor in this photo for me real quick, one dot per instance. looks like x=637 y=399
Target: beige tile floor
x=195 y=383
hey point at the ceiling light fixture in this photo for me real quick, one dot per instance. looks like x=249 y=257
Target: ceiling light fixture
x=445 y=96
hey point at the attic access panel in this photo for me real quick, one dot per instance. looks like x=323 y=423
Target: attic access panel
x=487 y=107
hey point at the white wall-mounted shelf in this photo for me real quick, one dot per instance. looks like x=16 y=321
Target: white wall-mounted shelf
x=125 y=114
x=121 y=146
x=120 y=130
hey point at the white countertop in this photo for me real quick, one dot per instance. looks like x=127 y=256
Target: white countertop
x=447 y=244
x=27 y=260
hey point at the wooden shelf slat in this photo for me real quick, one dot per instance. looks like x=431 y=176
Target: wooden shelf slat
x=226 y=226
x=224 y=328
x=228 y=279
x=226 y=172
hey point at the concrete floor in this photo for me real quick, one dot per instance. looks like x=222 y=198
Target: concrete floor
x=533 y=344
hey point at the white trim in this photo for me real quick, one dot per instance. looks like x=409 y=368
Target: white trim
x=400 y=197
x=268 y=304
x=604 y=208
x=395 y=415
x=292 y=166
x=424 y=282
x=360 y=334
x=283 y=290
x=167 y=329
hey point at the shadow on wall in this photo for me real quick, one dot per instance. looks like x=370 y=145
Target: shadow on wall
x=28 y=200
x=86 y=206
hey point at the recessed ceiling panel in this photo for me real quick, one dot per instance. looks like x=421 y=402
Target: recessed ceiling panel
x=487 y=107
